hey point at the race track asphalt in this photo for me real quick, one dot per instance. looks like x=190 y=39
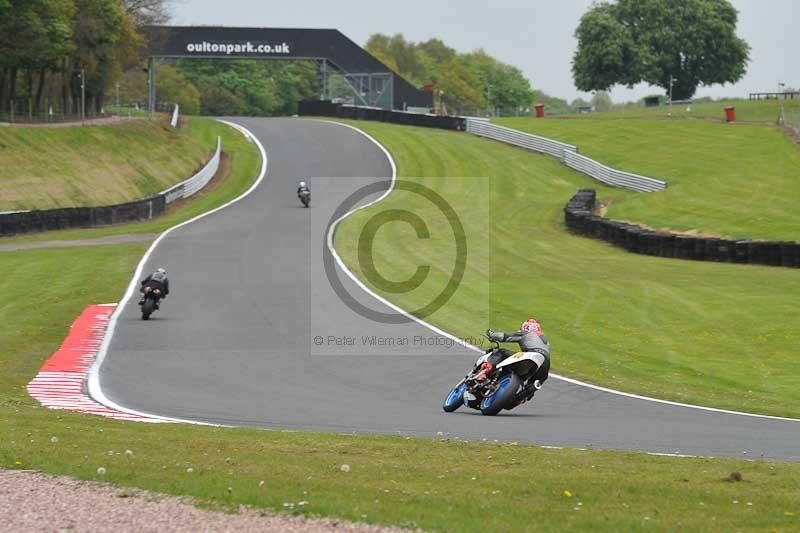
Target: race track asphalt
x=234 y=345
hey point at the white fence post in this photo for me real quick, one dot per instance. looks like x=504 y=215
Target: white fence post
x=174 y=121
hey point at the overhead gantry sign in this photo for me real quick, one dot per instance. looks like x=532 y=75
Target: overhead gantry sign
x=371 y=82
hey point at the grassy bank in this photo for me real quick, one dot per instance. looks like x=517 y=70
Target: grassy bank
x=661 y=327
x=50 y=167
x=244 y=160
x=732 y=180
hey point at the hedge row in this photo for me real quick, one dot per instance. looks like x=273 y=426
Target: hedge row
x=326 y=108
x=580 y=219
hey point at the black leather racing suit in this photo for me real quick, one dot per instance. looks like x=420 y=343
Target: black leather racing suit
x=156 y=280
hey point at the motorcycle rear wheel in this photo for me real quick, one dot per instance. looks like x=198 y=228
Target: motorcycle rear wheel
x=147 y=308
x=503 y=396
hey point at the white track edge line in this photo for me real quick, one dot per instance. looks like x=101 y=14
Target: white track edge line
x=433 y=328
x=95 y=390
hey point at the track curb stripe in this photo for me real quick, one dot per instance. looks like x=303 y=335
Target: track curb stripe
x=61 y=382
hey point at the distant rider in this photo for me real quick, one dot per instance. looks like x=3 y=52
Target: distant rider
x=302 y=188
x=531 y=339
x=156 y=280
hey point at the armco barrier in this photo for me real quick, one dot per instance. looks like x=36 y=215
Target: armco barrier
x=187 y=188
x=544 y=145
x=568 y=154
x=580 y=219
x=326 y=108
x=19 y=222
x=610 y=176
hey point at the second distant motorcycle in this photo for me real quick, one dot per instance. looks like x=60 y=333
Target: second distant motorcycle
x=304 y=193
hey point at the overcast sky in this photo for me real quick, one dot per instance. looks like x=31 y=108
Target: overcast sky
x=534 y=35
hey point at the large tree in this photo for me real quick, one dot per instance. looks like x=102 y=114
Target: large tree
x=148 y=12
x=34 y=37
x=469 y=81
x=632 y=41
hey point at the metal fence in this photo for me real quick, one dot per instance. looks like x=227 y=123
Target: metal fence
x=190 y=186
x=610 y=176
x=544 y=145
x=566 y=153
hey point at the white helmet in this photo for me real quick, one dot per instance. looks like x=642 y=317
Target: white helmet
x=161 y=270
x=302 y=184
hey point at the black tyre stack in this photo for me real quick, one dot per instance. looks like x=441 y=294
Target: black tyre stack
x=580 y=219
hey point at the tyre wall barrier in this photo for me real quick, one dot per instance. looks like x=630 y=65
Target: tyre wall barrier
x=580 y=219
x=81 y=217
x=326 y=108
x=19 y=222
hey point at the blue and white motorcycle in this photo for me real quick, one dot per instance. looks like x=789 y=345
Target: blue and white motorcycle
x=510 y=384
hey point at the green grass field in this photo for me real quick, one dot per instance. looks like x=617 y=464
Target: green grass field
x=704 y=333
x=93 y=165
x=392 y=480
x=733 y=180
x=765 y=111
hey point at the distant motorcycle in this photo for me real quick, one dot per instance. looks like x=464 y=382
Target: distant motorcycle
x=150 y=303
x=305 y=197
x=506 y=387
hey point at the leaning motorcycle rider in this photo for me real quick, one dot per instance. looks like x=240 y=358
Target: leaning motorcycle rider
x=530 y=339
x=156 y=280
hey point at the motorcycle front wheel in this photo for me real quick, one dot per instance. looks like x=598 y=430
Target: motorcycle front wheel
x=503 y=395
x=455 y=399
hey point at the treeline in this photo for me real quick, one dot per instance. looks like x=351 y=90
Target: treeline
x=47 y=45
x=468 y=81
x=247 y=87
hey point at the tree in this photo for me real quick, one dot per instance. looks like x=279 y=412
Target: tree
x=466 y=79
x=34 y=36
x=504 y=85
x=601 y=101
x=693 y=41
x=148 y=12
x=579 y=102
x=250 y=87
x=554 y=105
x=460 y=85
x=173 y=87
x=98 y=27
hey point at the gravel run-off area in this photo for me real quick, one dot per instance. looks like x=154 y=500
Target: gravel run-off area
x=32 y=501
